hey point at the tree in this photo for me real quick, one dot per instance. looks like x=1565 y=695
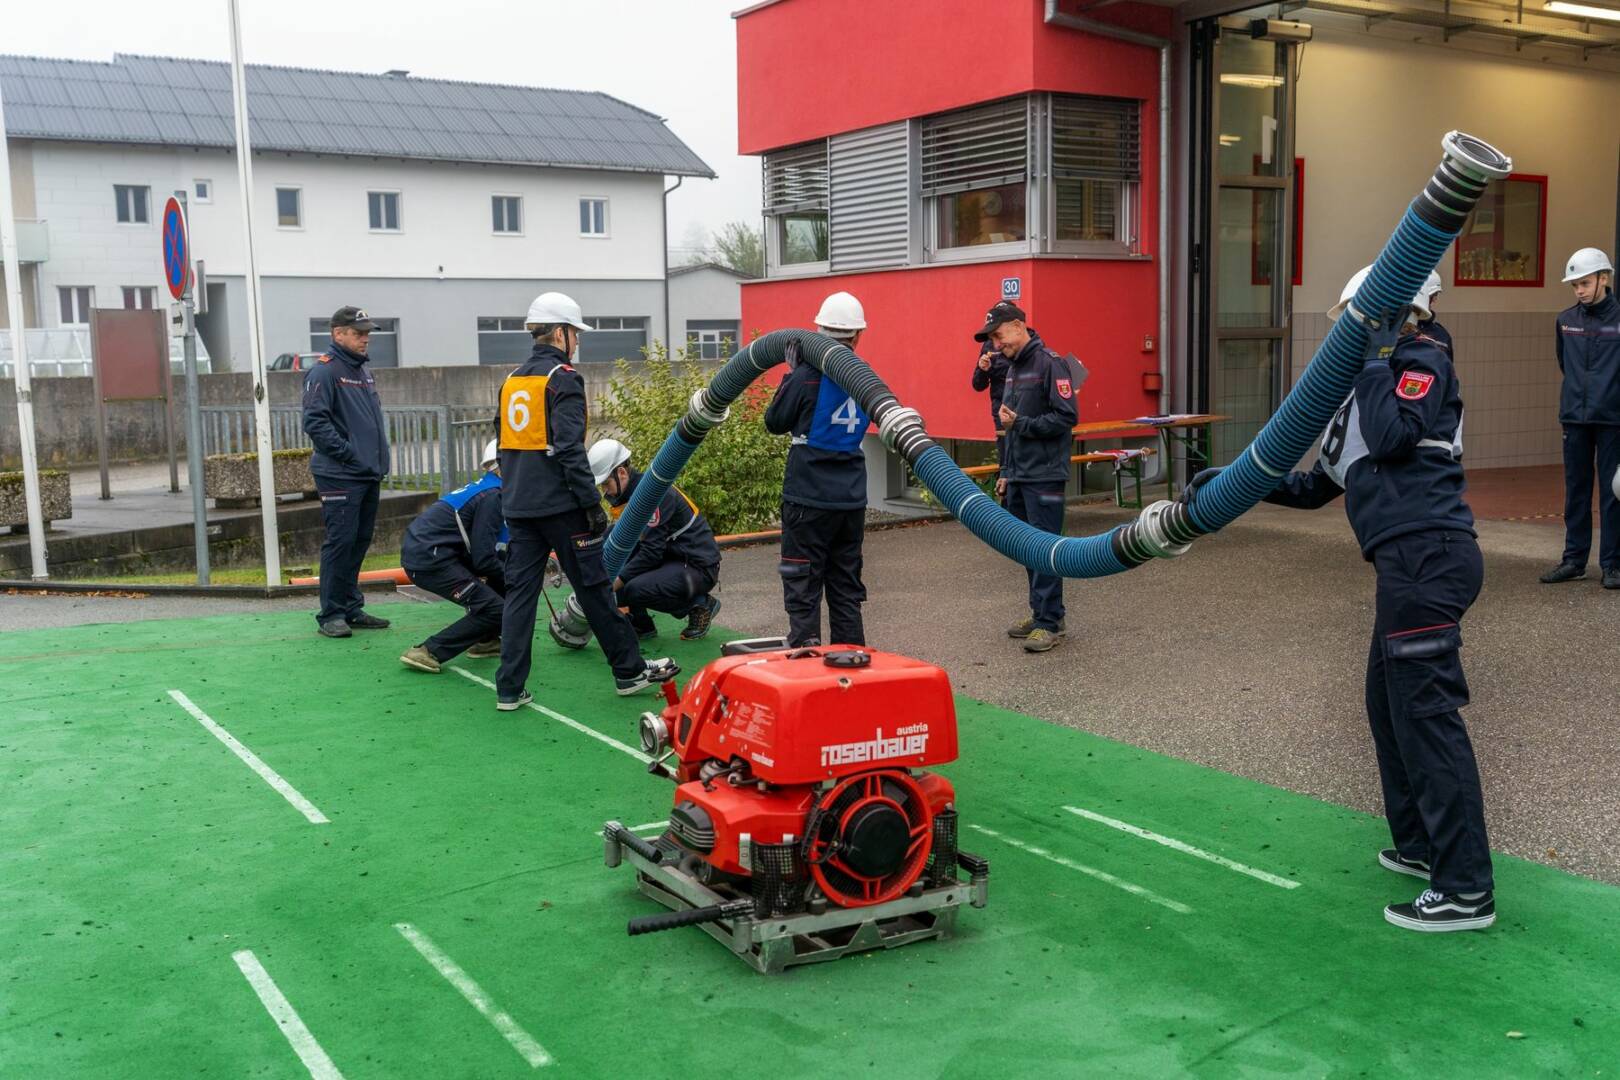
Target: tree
x=740 y=246
x=693 y=249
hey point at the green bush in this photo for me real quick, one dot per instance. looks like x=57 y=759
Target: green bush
x=736 y=475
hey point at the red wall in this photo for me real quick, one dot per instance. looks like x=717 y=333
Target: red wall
x=921 y=324
x=811 y=68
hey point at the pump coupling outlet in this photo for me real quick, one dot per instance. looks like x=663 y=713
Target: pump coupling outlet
x=896 y=423
x=702 y=413
x=1153 y=526
x=1475 y=156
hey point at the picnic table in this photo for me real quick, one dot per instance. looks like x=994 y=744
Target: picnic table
x=1189 y=430
x=1127 y=463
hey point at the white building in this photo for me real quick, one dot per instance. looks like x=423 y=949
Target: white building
x=440 y=207
x=705 y=308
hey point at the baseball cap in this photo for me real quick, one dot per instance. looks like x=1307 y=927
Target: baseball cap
x=1006 y=311
x=353 y=316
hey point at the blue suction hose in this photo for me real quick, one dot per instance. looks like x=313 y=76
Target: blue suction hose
x=1164 y=529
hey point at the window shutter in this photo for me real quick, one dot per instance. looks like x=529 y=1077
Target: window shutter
x=869 y=221
x=1096 y=139
x=796 y=179
x=976 y=148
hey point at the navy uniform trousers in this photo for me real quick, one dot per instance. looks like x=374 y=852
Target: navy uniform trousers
x=1041 y=505
x=821 y=553
x=1415 y=685
x=1582 y=444
x=349 y=513
x=449 y=575
x=672 y=588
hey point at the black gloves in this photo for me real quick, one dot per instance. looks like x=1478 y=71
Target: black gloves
x=1384 y=332
x=597 y=519
x=1190 y=492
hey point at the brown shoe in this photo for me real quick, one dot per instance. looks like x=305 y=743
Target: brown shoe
x=1040 y=640
x=419 y=658
x=485 y=649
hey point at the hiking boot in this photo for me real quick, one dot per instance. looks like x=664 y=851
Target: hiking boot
x=419 y=658
x=1040 y=640
x=335 y=628
x=700 y=618
x=1563 y=572
x=514 y=704
x=1437 y=912
x=366 y=621
x=1611 y=578
x=1390 y=859
x=660 y=670
x=485 y=649
x=1027 y=627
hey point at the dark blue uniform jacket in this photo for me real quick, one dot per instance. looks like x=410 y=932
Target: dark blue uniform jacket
x=465 y=525
x=541 y=483
x=1588 y=345
x=825 y=465
x=678 y=532
x=1041 y=390
x=343 y=417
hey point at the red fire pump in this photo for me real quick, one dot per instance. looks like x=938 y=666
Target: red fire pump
x=805 y=824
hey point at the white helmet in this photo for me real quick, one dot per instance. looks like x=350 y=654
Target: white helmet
x=841 y=311
x=1586 y=261
x=556 y=309
x=1420 y=302
x=606 y=455
x=492 y=454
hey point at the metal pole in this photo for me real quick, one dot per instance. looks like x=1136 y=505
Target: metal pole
x=19 y=357
x=261 y=394
x=194 y=441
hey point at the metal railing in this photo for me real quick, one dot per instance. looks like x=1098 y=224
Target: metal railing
x=432 y=447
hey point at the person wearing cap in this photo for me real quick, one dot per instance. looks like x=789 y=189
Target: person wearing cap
x=1587 y=343
x=823 y=489
x=675 y=564
x=1394 y=451
x=1036 y=418
x=454 y=549
x=552 y=506
x=343 y=418
x=990 y=373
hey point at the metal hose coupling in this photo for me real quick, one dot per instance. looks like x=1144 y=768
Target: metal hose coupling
x=703 y=415
x=569 y=627
x=902 y=431
x=1156 y=531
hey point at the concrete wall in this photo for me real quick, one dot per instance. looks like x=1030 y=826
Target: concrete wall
x=1357 y=180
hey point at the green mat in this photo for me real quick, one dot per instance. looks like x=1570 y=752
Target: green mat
x=138 y=856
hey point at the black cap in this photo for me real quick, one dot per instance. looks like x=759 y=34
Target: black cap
x=355 y=317
x=1006 y=311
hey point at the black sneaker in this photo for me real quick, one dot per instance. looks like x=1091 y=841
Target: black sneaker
x=514 y=704
x=335 y=628
x=1563 y=572
x=1611 y=578
x=1438 y=912
x=701 y=618
x=644 y=627
x=1391 y=859
x=660 y=670
x=367 y=621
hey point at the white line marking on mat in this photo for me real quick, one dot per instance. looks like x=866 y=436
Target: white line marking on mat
x=570 y=721
x=281 y=1011
x=251 y=760
x=1091 y=871
x=1185 y=848
x=642 y=828
x=521 y=1040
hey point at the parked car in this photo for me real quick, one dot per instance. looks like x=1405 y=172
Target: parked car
x=291 y=361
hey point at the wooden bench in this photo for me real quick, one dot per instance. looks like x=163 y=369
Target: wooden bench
x=1126 y=463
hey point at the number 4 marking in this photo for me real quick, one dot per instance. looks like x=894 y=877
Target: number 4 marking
x=846 y=415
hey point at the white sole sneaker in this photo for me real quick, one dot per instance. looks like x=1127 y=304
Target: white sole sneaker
x=1479 y=922
x=1399 y=867
x=513 y=706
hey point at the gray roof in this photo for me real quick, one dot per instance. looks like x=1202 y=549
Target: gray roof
x=676 y=271
x=172 y=102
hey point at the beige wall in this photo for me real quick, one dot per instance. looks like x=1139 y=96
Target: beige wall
x=1371 y=115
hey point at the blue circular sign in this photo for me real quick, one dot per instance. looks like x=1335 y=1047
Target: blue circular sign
x=176 y=249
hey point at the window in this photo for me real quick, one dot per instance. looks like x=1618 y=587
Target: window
x=75 y=304
x=502 y=340
x=593 y=217
x=1504 y=240
x=289 y=208
x=202 y=191
x=383 y=349
x=384 y=209
x=508 y=214
x=712 y=339
x=132 y=203
x=140 y=297
x=613 y=337
x=796 y=206
x=975 y=170
x=1096 y=167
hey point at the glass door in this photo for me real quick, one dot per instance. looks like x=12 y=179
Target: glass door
x=1243 y=156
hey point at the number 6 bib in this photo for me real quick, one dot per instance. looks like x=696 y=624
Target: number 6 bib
x=523 y=413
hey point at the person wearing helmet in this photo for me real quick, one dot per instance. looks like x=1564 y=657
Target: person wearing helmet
x=1431 y=327
x=1394 y=451
x=552 y=506
x=1037 y=417
x=1587 y=343
x=675 y=564
x=824 y=489
x=454 y=549
x=343 y=417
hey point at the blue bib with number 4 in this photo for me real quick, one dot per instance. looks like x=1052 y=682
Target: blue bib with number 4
x=838 y=424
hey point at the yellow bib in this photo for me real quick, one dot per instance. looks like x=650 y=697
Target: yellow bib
x=523 y=412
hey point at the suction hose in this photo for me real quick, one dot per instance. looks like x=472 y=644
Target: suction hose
x=1164 y=529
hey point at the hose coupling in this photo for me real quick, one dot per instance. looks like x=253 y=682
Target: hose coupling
x=894 y=424
x=702 y=414
x=1153 y=531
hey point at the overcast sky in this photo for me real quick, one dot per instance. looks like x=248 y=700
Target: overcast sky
x=677 y=58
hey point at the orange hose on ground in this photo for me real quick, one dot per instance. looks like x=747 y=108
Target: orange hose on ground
x=396 y=575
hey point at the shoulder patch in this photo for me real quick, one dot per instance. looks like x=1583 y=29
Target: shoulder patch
x=326 y=358
x=1414 y=385
x=1064 y=390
